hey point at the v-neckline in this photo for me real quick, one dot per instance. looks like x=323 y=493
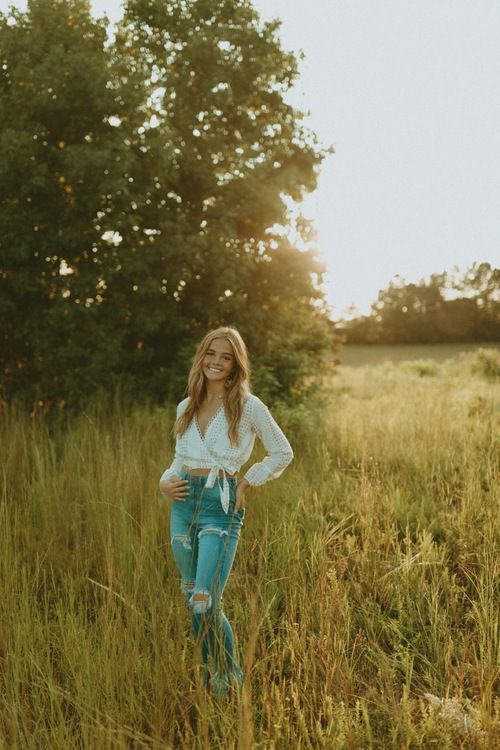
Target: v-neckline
x=203 y=436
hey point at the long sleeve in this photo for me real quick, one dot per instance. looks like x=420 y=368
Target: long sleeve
x=174 y=467
x=178 y=461
x=279 y=450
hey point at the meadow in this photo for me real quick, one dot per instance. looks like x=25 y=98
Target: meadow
x=355 y=355
x=364 y=593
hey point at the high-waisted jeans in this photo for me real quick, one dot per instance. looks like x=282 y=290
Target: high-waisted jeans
x=204 y=540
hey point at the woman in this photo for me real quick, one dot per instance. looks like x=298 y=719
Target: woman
x=215 y=433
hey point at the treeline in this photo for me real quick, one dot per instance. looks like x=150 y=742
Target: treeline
x=457 y=307
x=145 y=179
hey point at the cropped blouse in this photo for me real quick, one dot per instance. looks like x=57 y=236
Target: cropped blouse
x=214 y=450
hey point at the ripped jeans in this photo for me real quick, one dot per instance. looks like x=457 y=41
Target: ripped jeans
x=204 y=541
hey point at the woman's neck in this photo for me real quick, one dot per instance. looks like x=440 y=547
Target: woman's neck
x=214 y=394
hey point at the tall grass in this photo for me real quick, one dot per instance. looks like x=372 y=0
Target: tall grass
x=364 y=593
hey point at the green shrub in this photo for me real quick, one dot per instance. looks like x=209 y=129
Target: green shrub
x=487 y=364
x=422 y=367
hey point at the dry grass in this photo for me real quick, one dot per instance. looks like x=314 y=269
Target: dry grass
x=364 y=593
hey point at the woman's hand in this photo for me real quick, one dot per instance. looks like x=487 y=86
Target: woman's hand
x=175 y=488
x=241 y=488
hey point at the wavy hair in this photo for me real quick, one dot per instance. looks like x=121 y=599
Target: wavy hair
x=237 y=385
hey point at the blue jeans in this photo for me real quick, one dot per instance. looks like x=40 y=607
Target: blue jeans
x=204 y=541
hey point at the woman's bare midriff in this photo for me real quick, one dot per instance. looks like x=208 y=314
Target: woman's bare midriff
x=204 y=472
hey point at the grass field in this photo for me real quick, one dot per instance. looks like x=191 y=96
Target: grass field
x=356 y=355
x=364 y=594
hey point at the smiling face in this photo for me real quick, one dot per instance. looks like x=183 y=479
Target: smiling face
x=219 y=361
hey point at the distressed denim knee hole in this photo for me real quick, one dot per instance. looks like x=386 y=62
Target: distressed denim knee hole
x=200 y=601
x=220 y=532
x=183 y=540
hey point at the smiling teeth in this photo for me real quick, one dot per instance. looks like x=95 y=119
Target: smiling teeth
x=212 y=369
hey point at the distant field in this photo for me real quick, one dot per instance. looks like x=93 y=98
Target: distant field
x=357 y=355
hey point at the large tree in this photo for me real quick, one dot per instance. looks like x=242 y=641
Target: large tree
x=57 y=155
x=149 y=182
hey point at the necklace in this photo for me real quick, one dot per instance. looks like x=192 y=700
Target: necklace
x=214 y=399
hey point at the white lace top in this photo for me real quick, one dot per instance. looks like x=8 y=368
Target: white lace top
x=214 y=450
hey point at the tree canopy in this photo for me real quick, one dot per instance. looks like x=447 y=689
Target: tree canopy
x=146 y=181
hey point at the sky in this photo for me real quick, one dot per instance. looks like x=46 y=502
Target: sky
x=408 y=94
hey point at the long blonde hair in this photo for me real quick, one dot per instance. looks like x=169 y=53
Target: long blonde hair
x=237 y=386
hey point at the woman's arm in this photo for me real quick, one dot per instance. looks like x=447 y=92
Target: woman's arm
x=279 y=450
x=172 y=471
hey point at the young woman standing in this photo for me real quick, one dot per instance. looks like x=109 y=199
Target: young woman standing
x=215 y=433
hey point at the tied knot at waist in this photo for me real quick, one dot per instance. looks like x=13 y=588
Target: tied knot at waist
x=224 y=489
